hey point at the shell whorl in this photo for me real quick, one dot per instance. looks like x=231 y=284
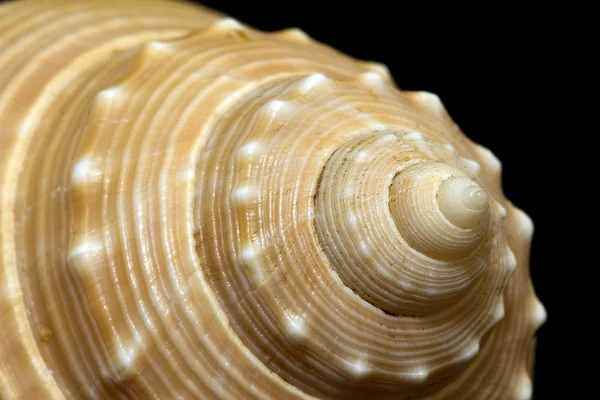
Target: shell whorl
x=421 y=225
x=225 y=213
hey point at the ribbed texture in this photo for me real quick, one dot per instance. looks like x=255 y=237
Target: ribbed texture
x=195 y=209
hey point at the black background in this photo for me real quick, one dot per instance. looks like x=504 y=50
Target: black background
x=497 y=69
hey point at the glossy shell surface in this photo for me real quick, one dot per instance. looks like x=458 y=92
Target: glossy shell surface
x=192 y=208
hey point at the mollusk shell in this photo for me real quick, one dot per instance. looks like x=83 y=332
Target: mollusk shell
x=192 y=208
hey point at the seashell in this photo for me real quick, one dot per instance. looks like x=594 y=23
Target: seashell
x=192 y=208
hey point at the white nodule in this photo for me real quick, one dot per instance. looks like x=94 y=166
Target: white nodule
x=244 y=194
x=110 y=93
x=414 y=135
x=353 y=222
x=378 y=126
x=276 y=108
x=365 y=249
x=297 y=34
x=524 y=389
x=85 y=171
x=157 y=45
x=359 y=368
x=389 y=138
x=525 y=223
x=471 y=350
x=430 y=100
x=539 y=314
x=250 y=150
x=499 y=310
x=296 y=328
x=489 y=159
x=84 y=257
x=501 y=210
x=249 y=253
x=349 y=191
x=418 y=375
x=310 y=82
x=187 y=175
x=472 y=165
x=362 y=156
x=229 y=23
x=250 y=256
x=511 y=259
x=373 y=79
x=450 y=148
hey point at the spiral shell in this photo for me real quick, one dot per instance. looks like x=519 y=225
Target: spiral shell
x=192 y=208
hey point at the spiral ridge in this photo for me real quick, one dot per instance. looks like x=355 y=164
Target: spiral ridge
x=192 y=208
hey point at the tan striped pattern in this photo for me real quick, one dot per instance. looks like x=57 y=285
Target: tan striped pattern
x=194 y=209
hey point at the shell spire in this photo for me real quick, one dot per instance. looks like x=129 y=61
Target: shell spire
x=192 y=208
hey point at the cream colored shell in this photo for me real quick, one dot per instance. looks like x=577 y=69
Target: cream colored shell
x=195 y=209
